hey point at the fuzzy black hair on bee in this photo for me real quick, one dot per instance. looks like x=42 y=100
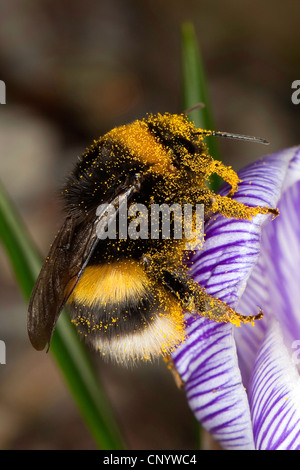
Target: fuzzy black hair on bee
x=127 y=294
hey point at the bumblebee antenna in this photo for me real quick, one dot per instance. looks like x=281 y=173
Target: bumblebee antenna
x=229 y=135
x=193 y=108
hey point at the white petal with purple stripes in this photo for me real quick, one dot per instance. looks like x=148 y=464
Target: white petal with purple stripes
x=207 y=361
x=232 y=247
x=274 y=281
x=208 y=366
x=275 y=395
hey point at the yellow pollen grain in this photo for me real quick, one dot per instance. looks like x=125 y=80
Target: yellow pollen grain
x=142 y=145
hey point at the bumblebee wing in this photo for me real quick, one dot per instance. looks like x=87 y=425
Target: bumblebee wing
x=58 y=277
x=65 y=263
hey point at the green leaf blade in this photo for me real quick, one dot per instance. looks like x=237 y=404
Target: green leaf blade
x=66 y=347
x=195 y=91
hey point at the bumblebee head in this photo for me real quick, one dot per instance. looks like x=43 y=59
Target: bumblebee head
x=180 y=136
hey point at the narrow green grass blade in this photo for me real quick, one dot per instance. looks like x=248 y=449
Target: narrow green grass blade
x=66 y=347
x=195 y=91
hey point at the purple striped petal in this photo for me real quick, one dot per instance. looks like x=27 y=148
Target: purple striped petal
x=274 y=281
x=281 y=255
x=275 y=395
x=208 y=365
x=207 y=361
x=232 y=247
x=249 y=337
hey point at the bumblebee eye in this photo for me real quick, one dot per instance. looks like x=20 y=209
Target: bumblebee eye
x=163 y=135
x=188 y=145
x=175 y=144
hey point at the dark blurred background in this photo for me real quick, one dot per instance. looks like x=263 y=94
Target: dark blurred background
x=73 y=70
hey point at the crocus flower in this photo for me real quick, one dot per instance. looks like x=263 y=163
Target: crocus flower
x=242 y=383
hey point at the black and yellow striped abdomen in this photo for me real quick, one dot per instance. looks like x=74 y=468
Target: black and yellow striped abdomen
x=117 y=307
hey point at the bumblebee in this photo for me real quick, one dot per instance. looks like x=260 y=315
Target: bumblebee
x=127 y=296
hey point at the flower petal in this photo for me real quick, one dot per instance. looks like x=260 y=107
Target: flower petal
x=207 y=360
x=273 y=284
x=232 y=246
x=275 y=395
x=208 y=365
x=249 y=337
x=281 y=255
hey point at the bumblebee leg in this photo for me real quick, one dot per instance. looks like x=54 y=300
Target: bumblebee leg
x=170 y=364
x=227 y=174
x=194 y=299
x=232 y=208
x=227 y=206
x=217 y=310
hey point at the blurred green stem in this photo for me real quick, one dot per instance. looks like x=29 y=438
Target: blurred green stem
x=66 y=347
x=195 y=91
